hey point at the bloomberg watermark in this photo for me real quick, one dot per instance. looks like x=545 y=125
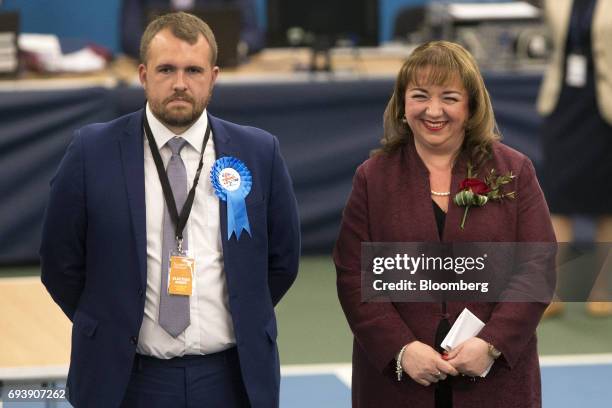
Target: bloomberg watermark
x=481 y=271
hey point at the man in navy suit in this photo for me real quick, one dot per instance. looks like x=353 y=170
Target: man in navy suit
x=161 y=322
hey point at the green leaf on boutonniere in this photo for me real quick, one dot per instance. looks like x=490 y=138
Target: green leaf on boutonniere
x=475 y=192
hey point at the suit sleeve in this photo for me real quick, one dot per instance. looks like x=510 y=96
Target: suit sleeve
x=283 y=230
x=378 y=328
x=62 y=251
x=513 y=324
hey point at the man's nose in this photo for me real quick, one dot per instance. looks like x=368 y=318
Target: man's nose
x=179 y=82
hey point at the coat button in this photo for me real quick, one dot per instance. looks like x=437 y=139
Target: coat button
x=134 y=340
x=140 y=292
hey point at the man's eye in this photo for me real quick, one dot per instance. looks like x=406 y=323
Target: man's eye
x=194 y=70
x=451 y=99
x=164 y=70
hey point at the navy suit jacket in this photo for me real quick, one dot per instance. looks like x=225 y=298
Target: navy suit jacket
x=93 y=255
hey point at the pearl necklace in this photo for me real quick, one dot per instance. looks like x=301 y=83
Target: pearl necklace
x=440 y=194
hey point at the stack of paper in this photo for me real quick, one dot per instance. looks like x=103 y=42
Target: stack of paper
x=48 y=50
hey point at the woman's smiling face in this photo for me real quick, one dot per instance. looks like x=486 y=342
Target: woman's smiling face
x=437 y=114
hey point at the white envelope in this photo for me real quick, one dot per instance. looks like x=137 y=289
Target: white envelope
x=466 y=326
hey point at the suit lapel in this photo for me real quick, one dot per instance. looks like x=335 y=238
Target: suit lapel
x=414 y=191
x=132 y=157
x=603 y=10
x=223 y=147
x=564 y=10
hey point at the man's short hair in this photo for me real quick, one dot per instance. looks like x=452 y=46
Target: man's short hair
x=183 y=25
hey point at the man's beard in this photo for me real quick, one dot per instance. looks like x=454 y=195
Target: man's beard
x=180 y=117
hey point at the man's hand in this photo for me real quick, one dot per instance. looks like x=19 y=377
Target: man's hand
x=471 y=357
x=424 y=364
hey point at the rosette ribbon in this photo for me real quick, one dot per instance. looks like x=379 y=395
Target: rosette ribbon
x=231 y=180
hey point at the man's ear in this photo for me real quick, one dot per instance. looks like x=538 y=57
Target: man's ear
x=142 y=74
x=214 y=73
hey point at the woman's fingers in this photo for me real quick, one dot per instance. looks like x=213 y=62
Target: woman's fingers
x=441 y=376
x=433 y=376
x=447 y=368
x=453 y=353
x=423 y=382
x=425 y=365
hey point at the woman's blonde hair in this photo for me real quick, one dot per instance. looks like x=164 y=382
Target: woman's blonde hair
x=442 y=62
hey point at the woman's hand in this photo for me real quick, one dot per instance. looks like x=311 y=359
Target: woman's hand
x=471 y=357
x=424 y=364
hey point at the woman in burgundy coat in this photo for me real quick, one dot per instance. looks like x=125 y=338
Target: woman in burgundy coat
x=438 y=122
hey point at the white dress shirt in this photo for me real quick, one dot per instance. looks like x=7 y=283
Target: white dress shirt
x=211 y=328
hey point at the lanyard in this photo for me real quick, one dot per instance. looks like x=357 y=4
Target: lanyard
x=178 y=220
x=580 y=24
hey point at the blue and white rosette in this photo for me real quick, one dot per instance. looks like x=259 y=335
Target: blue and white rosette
x=232 y=182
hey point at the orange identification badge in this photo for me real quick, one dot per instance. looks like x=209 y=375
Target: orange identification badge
x=180 y=275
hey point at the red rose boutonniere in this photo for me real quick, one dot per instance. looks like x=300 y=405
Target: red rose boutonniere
x=475 y=192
